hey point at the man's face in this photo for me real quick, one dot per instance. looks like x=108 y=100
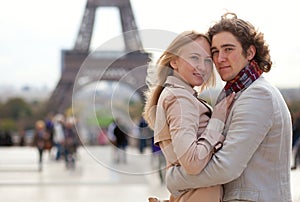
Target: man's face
x=227 y=54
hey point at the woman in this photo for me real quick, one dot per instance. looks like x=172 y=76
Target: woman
x=184 y=126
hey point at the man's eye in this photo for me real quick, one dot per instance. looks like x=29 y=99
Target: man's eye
x=214 y=53
x=228 y=49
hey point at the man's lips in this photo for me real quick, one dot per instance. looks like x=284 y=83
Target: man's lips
x=223 y=67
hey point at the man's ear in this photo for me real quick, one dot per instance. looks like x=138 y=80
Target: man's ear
x=251 y=52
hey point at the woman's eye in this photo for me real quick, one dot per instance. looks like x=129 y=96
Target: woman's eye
x=194 y=57
x=208 y=60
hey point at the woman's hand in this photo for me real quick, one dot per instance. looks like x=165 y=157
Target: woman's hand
x=222 y=108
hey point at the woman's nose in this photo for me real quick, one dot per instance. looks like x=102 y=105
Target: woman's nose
x=200 y=67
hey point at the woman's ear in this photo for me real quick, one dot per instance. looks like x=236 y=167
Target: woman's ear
x=251 y=52
x=173 y=63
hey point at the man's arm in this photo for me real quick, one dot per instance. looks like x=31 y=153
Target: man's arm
x=248 y=127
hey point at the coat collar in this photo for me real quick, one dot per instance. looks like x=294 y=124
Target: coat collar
x=177 y=82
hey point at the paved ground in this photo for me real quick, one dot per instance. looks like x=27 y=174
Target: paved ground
x=95 y=178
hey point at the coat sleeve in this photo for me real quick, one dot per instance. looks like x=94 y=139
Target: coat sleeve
x=250 y=122
x=183 y=119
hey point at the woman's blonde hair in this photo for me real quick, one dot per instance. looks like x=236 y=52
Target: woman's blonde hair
x=164 y=70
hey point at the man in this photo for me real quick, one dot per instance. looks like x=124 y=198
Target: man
x=254 y=163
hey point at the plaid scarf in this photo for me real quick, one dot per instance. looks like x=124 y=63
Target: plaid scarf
x=242 y=81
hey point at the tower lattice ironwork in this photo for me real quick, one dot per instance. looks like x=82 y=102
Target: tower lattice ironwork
x=119 y=63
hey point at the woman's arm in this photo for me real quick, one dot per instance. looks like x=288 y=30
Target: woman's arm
x=183 y=118
x=200 y=152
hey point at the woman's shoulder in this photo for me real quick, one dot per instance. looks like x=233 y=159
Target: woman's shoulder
x=171 y=93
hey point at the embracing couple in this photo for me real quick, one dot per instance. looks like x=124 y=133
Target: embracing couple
x=240 y=149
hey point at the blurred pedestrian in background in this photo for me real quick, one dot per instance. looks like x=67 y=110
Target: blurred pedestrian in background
x=58 y=134
x=41 y=140
x=121 y=143
x=71 y=142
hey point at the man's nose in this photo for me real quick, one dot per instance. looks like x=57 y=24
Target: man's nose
x=221 y=57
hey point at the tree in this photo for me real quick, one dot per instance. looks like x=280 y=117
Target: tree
x=15 y=108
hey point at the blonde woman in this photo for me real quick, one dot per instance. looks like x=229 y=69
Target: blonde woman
x=185 y=127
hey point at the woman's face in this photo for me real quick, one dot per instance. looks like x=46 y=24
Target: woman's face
x=194 y=63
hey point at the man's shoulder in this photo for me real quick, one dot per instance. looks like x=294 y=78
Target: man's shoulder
x=261 y=85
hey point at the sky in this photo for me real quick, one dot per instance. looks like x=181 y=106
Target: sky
x=33 y=33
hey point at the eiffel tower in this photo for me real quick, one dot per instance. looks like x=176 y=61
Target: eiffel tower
x=119 y=63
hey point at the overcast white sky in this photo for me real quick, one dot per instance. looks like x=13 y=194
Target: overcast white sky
x=34 y=32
